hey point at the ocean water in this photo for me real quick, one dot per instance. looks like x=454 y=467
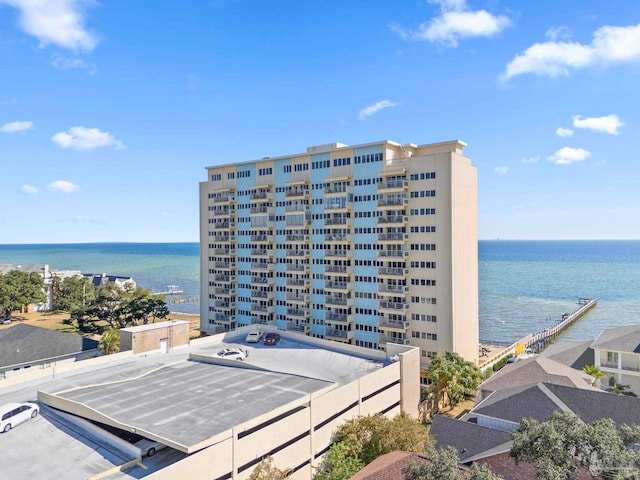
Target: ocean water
x=525 y=286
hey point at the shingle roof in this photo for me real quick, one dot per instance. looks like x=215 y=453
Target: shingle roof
x=514 y=404
x=388 y=467
x=620 y=339
x=506 y=467
x=469 y=439
x=24 y=344
x=574 y=354
x=534 y=370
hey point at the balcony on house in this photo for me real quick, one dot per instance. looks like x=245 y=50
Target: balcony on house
x=393 y=325
x=384 y=339
x=392 y=289
x=393 y=237
x=334 y=285
x=338 y=301
x=344 y=270
x=393 y=306
x=340 y=335
x=392 y=272
x=261 y=196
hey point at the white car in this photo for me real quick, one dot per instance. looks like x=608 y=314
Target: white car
x=233 y=353
x=254 y=337
x=13 y=414
x=148 y=448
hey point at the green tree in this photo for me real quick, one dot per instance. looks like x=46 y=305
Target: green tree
x=110 y=342
x=74 y=293
x=453 y=378
x=443 y=464
x=368 y=437
x=594 y=372
x=339 y=464
x=265 y=470
x=19 y=289
x=556 y=447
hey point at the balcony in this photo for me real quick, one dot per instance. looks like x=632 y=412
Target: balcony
x=393 y=325
x=394 y=306
x=298 y=267
x=297 y=193
x=384 y=339
x=393 y=219
x=260 y=280
x=296 y=298
x=260 y=308
x=331 y=285
x=338 y=237
x=296 y=208
x=261 y=293
x=222 y=278
x=342 y=205
x=393 y=202
x=224 y=318
x=300 y=313
x=340 y=335
x=261 y=210
x=224 y=291
x=338 y=301
x=389 y=289
x=393 y=272
x=393 y=254
x=224 y=265
x=224 y=198
x=224 y=225
x=343 y=270
x=393 y=237
x=336 y=253
x=297 y=237
x=298 y=282
x=296 y=252
x=337 y=188
x=224 y=304
x=262 y=238
x=337 y=317
x=224 y=238
x=224 y=212
x=261 y=196
x=393 y=184
x=336 y=221
x=262 y=266
x=225 y=252
x=299 y=327
x=259 y=252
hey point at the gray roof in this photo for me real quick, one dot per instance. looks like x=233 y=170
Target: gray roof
x=573 y=354
x=534 y=370
x=620 y=339
x=27 y=344
x=468 y=438
x=540 y=400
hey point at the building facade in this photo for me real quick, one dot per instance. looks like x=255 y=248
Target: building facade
x=366 y=245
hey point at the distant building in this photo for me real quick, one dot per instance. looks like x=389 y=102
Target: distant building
x=98 y=279
x=617 y=354
x=367 y=245
x=26 y=346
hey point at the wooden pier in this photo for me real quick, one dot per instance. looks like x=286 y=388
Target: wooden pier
x=535 y=343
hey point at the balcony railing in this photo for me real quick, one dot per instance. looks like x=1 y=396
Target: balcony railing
x=224 y=198
x=337 y=237
x=336 y=253
x=224 y=291
x=293 y=297
x=334 y=332
x=336 y=285
x=259 y=252
x=261 y=238
x=297 y=238
x=399 y=325
x=339 y=269
x=393 y=183
x=298 y=267
x=399 y=272
x=336 y=317
x=261 y=209
x=224 y=265
x=261 y=280
x=298 y=312
x=224 y=251
x=222 y=225
x=384 y=339
x=393 y=202
x=338 y=300
x=393 y=253
x=225 y=278
x=297 y=282
x=335 y=221
x=398 y=289
x=396 y=306
x=296 y=193
x=338 y=188
x=297 y=252
x=258 y=307
x=260 y=196
x=262 y=266
x=224 y=213
x=393 y=237
x=259 y=294
x=393 y=219
x=296 y=207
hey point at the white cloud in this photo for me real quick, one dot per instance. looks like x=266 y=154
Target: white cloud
x=64 y=63
x=558 y=33
x=568 y=155
x=62 y=186
x=455 y=22
x=531 y=159
x=503 y=170
x=29 y=190
x=376 y=107
x=608 y=124
x=564 y=132
x=58 y=22
x=15 y=127
x=83 y=138
x=610 y=46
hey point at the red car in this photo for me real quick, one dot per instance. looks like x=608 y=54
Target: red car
x=271 y=339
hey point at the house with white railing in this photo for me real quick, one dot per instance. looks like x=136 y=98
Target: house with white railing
x=617 y=353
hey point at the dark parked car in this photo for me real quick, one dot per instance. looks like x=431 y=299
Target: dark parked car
x=271 y=339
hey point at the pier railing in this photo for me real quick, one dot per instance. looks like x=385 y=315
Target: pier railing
x=541 y=339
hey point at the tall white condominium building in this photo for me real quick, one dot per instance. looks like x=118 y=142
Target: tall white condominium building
x=366 y=245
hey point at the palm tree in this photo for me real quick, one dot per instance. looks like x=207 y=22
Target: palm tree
x=619 y=389
x=110 y=342
x=594 y=372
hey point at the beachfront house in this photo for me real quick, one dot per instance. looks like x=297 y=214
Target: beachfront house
x=617 y=353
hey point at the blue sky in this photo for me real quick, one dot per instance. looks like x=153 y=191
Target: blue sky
x=110 y=112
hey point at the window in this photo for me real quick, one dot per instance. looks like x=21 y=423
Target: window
x=265 y=171
x=612 y=358
x=231 y=175
x=216 y=177
x=287 y=169
x=244 y=174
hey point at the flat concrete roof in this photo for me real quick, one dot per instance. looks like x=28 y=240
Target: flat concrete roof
x=154 y=326
x=179 y=403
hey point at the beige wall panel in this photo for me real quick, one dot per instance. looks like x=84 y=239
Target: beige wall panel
x=212 y=462
x=381 y=401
